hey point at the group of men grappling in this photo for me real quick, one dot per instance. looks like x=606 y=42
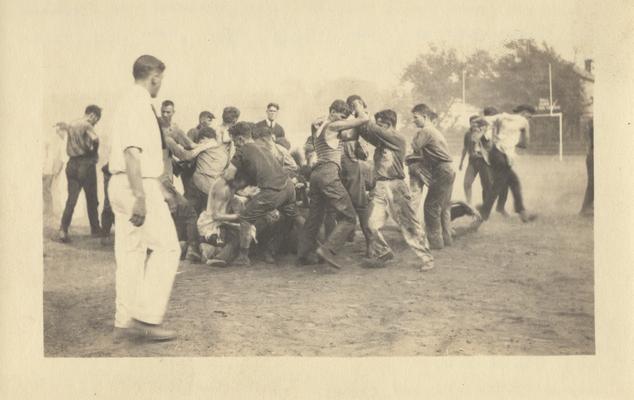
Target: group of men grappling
x=309 y=204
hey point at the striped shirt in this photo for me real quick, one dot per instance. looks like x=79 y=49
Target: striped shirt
x=326 y=153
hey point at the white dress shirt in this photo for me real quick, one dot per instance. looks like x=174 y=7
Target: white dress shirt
x=505 y=131
x=135 y=125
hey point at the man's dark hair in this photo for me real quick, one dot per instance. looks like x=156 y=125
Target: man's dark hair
x=274 y=105
x=205 y=114
x=351 y=100
x=242 y=129
x=479 y=121
x=167 y=103
x=340 y=106
x=471 y=118
x=297 y=156
x=145 y=65
x=230 y=115
x=489 y=111
x=387 y=116
x=424 y=109
x=524 y=107
x=208 y=132
x=261 y=132
x=93 y=109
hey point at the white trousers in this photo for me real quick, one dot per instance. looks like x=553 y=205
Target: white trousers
x=143 y=282
x=393 y=198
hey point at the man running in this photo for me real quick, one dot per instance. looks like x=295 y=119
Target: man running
x=506 y=132
x=486 y=147
x=477 y=163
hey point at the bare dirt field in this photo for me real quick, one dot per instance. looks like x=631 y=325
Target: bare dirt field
x=509 y=289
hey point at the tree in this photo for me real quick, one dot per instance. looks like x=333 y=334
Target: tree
x=519 y=76
x=523 y=78
x=436 y=77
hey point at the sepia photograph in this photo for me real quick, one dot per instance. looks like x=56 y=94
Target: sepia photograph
x=356 y=192
x=345 y=180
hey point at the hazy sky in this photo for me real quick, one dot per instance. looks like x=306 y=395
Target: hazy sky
x=218 y=52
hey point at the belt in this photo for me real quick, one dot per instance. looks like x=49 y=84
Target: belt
x=322 y=163
x=143 y=177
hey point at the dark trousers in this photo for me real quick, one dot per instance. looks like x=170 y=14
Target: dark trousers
x=327 y=191
x=197 y=198
x=588 y=199
x=478 y=167
x=81 y=173
x=437 y=206
x=185 y=219
x=354 y=182
x=504 y=178
x=257 y=210
x=107 y=216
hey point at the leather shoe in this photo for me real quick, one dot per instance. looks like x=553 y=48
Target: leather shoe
x=151 y=332
x=328 y=257
x=268 y=257
x=63 y=236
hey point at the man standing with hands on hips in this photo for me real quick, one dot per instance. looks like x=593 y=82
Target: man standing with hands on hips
x=144 y=224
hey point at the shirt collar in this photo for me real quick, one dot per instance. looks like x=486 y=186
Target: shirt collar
x=140 y=92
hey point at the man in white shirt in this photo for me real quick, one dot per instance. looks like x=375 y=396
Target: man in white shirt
x=143 y=282
x=54 y=157
x=506 y=133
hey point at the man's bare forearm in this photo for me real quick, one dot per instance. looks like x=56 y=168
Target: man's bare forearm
x=349 y=135
x=226 y=217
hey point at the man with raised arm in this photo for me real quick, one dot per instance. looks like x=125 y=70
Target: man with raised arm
x=326 y=188
x=81 y=170
x=506 y=133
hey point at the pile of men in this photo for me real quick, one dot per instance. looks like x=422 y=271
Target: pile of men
x=232 y=177
x=242 y=186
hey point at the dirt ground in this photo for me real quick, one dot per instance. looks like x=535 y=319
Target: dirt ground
x=509 y=289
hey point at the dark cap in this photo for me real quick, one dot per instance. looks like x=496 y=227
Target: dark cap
x=524 y=108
